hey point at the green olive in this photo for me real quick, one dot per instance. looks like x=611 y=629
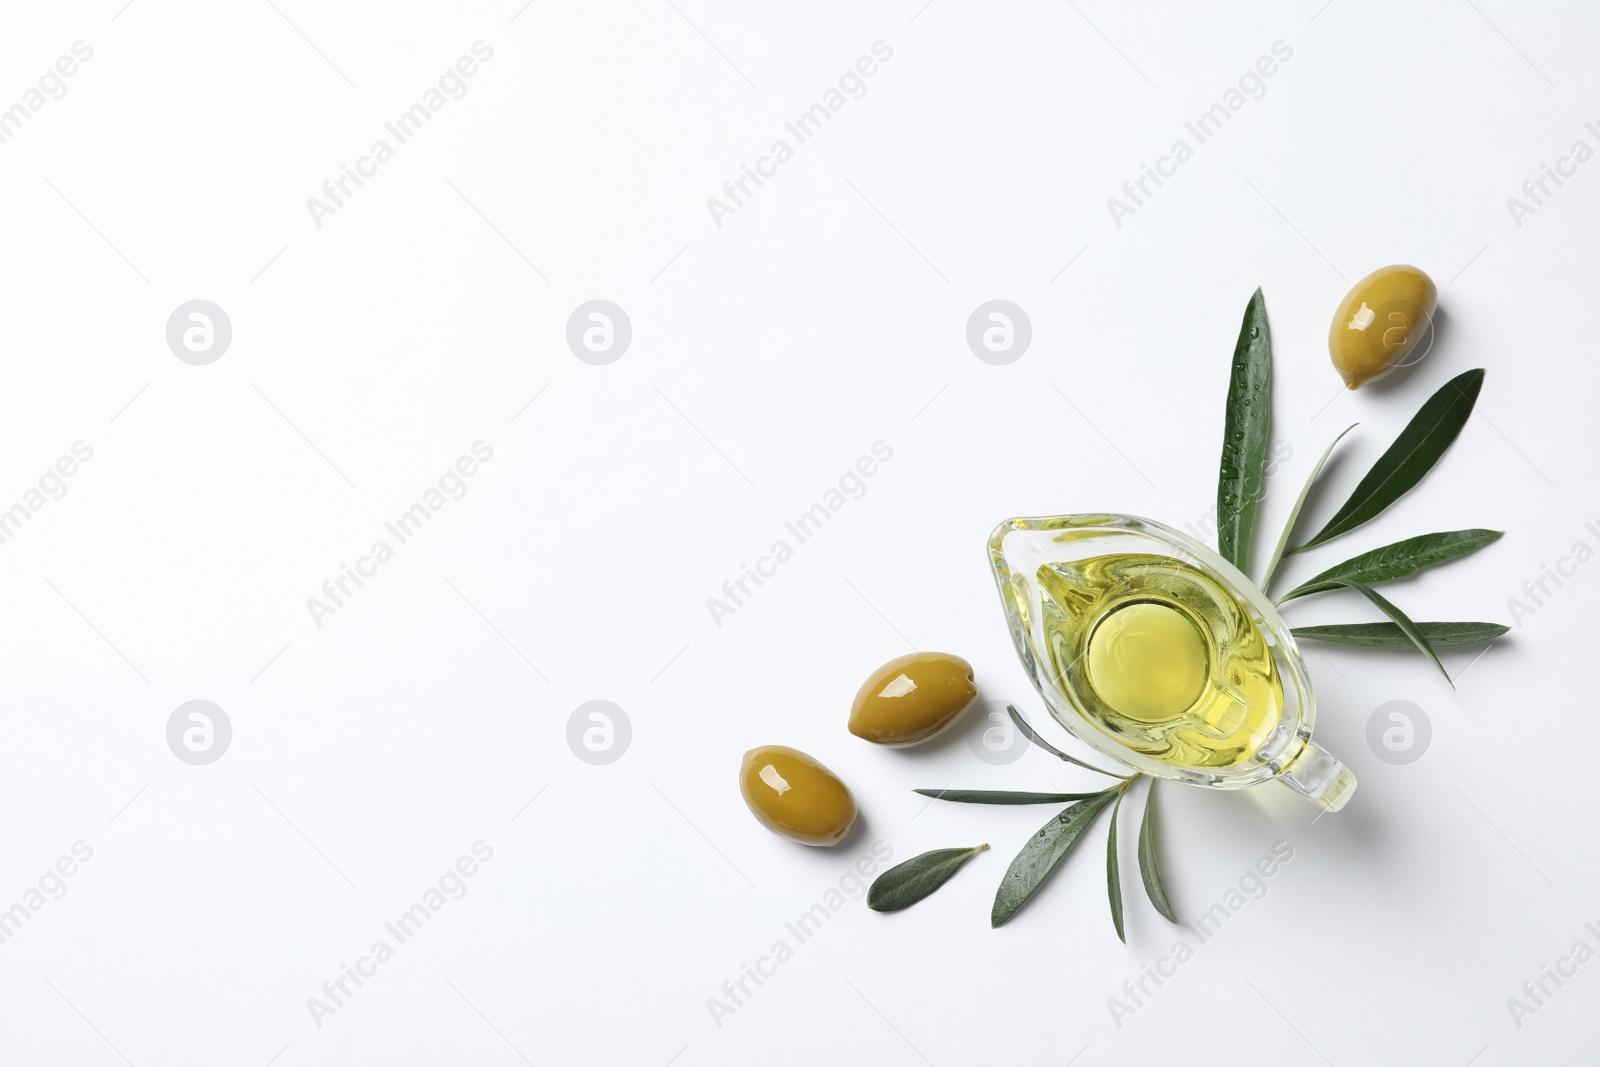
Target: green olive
x=1380 y=322
x=911 y=699
x=794 y=795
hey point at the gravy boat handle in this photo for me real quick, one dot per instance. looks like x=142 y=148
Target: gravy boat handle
x=1317 y=774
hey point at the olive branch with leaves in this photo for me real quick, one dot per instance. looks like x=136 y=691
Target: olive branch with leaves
x=1246 y=435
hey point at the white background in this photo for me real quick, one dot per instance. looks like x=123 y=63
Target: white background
x=768 y=354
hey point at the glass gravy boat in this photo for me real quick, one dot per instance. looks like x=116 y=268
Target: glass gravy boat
x=1245 y=726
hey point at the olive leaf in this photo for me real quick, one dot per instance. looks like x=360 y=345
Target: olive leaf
x=1300 y=502
x=1149 y=864
x=1001 y=796
x=1044 y=850
x=1388 y=635
x=1244 y=435
x=1401 y=620
x=1114 y=871
x=906 y=883
x=1399 y=560
x=1411 y=456
x=1032 y=735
